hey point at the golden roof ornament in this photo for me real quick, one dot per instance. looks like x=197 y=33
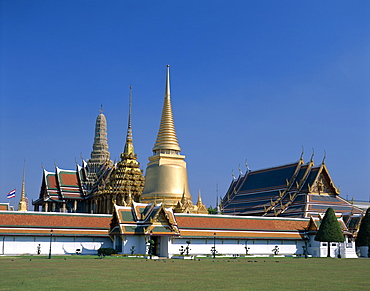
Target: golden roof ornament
x=22 y=206
x=199 y=202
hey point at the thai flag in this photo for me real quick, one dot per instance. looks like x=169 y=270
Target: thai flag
x=11 y=194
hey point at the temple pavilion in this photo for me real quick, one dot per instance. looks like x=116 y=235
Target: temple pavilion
x=293 y=190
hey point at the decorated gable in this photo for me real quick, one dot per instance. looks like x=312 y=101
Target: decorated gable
x=323 y=183
x=143 y=219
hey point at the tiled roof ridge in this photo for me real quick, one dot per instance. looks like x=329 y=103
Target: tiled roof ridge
x=54 y=213
x=275 y=167
x=48 y=172
x=241 y=217
x=66 y=171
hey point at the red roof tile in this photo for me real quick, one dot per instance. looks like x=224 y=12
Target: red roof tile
x=54 y=220
x=52 y=182
x=69 y=179
x=239 y=223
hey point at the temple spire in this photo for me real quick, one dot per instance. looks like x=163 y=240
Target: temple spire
x=129 y=146
x=22 y=206
x=167 y=139
x=166 y=175
x=100 y=153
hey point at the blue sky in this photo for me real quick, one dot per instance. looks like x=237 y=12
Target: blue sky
x=253 y=80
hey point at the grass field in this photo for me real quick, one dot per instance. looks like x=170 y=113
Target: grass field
x=82 y=272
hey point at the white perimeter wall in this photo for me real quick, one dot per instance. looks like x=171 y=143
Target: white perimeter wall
x=236 y=247
x=18 y=245
x=346 y=249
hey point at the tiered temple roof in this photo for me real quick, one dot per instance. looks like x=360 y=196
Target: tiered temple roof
x=61 y=187
x=292 y=190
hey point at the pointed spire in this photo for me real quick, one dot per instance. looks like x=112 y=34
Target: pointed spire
x=199 y=202
x=22 y=206
x=167 y=139
x=129 y=146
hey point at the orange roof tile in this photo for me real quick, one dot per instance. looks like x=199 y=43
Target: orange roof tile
x=69 y=179
x=241 y=234
x=54 y=220
x=4 y=206
x=239 y=223
x=52 y=181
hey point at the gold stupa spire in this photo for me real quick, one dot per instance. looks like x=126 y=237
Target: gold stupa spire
x=129 y=146
x=167 y=140
x=22 y=206
x=166 y=175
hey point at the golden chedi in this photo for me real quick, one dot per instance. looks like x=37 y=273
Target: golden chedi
x=166 y=179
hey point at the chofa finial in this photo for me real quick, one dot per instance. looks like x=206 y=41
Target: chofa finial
x=323 y=159
x=301 y=157
x=246 y=165
x=313 y=154
x=240 y=171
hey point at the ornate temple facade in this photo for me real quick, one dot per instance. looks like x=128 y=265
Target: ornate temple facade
x=124 y=183
x=294 y=190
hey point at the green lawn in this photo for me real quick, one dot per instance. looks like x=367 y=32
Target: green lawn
x=81 y=272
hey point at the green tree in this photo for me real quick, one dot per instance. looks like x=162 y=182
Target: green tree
x=212 y=210
x=363 y=236
x=330 y=230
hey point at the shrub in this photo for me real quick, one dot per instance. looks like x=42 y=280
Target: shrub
x=363 y=236
x=106 y=251
x=330 y=230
